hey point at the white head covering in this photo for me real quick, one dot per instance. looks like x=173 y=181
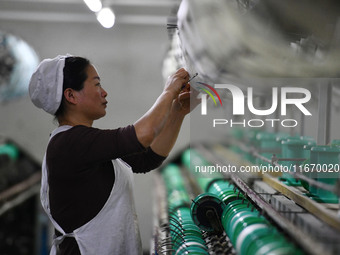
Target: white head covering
x=46 y=84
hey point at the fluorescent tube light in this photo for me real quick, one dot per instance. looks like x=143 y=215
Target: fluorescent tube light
x=106 y=17
x=94 y=5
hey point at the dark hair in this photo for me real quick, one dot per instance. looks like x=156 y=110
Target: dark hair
x=74 y=77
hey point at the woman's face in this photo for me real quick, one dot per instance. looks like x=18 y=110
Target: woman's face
x=92 y=98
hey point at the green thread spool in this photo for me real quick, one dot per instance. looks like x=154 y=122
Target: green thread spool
x=202 y=207
x=293 y=147
x=268 y=145
x=325 y=157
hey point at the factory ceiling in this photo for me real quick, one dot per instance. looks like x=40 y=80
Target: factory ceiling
x=143 y=12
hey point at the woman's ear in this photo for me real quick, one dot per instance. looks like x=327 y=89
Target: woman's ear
x=70 y=96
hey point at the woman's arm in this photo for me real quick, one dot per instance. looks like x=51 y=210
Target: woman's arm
x=152 y=123
x=145 y=161
x=165 y=141
x=181 y=106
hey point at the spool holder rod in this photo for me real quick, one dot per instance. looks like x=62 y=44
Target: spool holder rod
x=324 y=113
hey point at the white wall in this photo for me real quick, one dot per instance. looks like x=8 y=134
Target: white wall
x=129 y=60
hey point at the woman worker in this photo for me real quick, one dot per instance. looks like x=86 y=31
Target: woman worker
x=87 y=188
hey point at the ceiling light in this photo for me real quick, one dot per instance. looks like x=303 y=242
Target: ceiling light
x=94 y=5
x=106 y=17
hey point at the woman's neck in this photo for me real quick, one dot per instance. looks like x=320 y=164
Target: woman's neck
x=74 y=122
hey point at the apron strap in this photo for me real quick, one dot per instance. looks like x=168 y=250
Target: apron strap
x=45 y=199
x=57 y=240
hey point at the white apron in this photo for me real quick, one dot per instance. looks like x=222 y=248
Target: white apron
x=114 y=230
